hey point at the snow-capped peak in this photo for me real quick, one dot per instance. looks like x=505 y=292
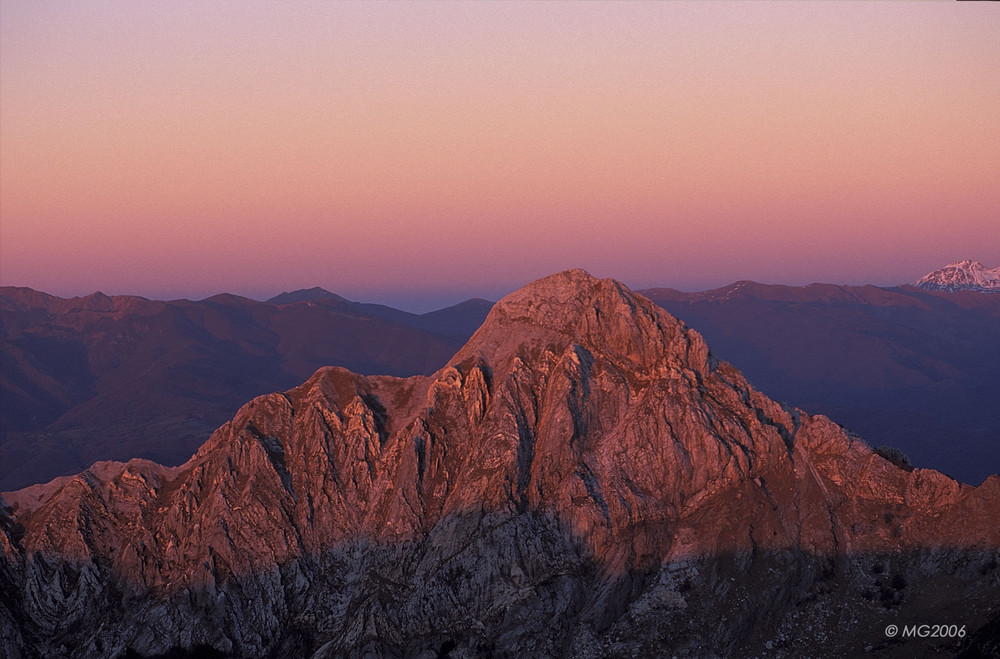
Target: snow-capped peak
x=967 y=275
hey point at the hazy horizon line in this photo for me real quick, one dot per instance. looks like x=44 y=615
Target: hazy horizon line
x=414 y=302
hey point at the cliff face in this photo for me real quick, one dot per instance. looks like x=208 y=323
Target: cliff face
x=582 y=478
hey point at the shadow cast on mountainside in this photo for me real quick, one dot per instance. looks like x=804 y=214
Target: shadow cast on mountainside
x=506 y=585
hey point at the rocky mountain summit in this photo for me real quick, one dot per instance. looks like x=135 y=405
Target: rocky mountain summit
x=965 y=275
x=583 y=478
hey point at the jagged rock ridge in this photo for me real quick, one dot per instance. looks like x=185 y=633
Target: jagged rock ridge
x=583 y=478
x=965 y=275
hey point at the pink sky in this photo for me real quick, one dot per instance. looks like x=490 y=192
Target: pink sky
x=420 y=154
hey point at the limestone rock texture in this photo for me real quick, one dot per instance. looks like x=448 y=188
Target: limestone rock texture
x=583 y=479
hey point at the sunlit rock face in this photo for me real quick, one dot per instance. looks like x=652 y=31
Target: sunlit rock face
x=584 y=478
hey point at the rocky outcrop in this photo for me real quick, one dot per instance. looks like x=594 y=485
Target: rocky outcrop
x=584 y=478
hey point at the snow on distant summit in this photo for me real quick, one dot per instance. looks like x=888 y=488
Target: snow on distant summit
x=965 y=275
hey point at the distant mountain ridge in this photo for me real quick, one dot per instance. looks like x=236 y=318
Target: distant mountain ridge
x=306 y=295
x=967 y=275
x=457 y=321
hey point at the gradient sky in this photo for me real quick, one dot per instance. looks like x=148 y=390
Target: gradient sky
x=419 y=154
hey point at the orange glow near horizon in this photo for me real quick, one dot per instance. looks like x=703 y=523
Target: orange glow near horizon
x=390 y=150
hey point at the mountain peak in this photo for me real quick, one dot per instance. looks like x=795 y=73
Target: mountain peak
x=562 y=299
x=966 y=275
x=305 y=295
x=600 y=315
x=547 y=299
